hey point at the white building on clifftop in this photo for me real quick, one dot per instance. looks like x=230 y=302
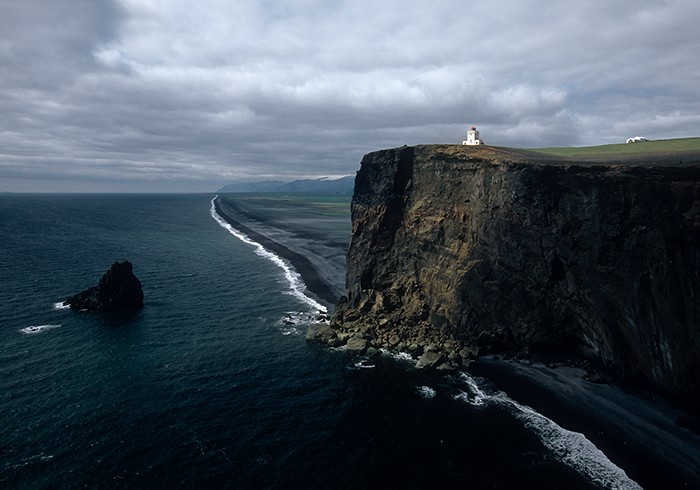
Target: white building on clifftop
x=473 y=137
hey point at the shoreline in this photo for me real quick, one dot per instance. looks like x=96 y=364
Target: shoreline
x=313 y=280
x=637 y=430
x=641 y=432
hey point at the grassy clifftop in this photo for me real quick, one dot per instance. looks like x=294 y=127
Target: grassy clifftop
x=681 y=150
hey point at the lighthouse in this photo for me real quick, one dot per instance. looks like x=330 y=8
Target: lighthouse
x=473 y=137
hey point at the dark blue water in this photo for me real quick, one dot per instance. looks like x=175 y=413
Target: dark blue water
x=213 y=385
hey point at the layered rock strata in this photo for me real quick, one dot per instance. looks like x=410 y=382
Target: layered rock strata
x=459 y=249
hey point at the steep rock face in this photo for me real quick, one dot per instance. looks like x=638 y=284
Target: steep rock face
x=118 y=289
x=507 y=253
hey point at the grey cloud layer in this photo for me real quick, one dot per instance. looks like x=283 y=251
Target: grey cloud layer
x=175 y=95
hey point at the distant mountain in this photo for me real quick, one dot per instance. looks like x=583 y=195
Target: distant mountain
x=265 y=186
x=325 y=185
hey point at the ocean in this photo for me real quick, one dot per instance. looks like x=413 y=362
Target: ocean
x=212 y=384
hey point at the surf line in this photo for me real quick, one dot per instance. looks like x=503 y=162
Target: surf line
x=296 y=285
x=570 y=448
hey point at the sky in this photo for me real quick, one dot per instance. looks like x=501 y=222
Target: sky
x=182 y=96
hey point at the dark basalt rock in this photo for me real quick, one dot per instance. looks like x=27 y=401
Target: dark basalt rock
x=322 y=334
x=119 y=289
x=458 y=248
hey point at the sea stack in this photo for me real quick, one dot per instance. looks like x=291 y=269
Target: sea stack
x=118 y=289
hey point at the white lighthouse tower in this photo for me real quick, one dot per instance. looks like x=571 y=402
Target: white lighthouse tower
x=473 y=137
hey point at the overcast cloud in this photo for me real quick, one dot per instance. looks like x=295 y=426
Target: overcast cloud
x=175 y=95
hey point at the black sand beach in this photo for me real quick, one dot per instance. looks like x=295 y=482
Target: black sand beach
x=322 y=267
x=637 y=431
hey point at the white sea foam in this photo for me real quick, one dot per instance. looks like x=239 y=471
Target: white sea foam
x=399 y=356
x=426 y=392
x=34 y=329
x=364 y=364
x=301 y=318
x=574 y=449
x=60 y=306
x=474 y=395
x=294 y=322
x=292 y=277
x=571 y=448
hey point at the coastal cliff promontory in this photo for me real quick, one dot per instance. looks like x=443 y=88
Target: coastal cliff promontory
x=460 y=250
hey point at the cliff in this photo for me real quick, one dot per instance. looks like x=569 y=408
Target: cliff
x=462 y=249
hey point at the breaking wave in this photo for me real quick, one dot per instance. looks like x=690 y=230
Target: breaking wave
x=426 y=392
x=34 y=329
x=571 y=448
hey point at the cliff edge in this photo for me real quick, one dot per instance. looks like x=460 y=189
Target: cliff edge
x=462 y=250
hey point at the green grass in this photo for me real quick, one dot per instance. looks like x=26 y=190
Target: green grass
x=664 y=148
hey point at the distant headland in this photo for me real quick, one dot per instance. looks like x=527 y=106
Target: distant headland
x=326 y=185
